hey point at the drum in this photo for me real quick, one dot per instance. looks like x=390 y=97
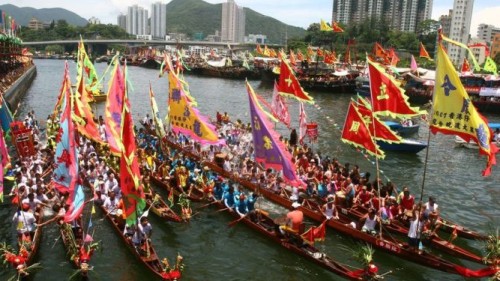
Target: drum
x=339 y=198
x=219 y=159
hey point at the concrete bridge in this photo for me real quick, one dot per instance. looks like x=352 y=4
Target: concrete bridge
x=145 y=43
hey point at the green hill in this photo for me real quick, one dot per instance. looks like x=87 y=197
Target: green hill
x=192 y=16
x=23 y=15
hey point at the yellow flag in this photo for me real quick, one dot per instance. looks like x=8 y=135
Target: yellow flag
x=323 y=26
x=454 y=113
x=490 y=65
x=93 y=210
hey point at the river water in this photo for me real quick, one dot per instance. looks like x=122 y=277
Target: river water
x=212 y=251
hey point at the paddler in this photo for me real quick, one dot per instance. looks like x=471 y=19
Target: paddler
x=328 y=209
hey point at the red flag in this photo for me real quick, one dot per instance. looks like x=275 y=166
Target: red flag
x=83 y=117
x=336 y=27
x=319 y=53
x=279 y=108
x=289 y=85
x=356 y=133
x=347 y=57
x=466 y=67
x=302 y=123
x=314 y=234
x=394 y=57
x=114 y=111
x=387 y=97
x=379 y=130
x=133 y=195
x=423 y=52
x=330 y=58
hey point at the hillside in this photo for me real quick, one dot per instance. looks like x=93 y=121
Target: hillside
x=191 y=16
x=23 y=15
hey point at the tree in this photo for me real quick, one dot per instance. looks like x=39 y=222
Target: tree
x=497 y=58
x=54 y=49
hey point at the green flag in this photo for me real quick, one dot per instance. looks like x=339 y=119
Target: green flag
x=490 y=65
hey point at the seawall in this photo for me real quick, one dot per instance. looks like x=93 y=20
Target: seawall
x=19 y=88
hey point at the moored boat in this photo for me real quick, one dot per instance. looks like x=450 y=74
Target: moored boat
x=406 y=146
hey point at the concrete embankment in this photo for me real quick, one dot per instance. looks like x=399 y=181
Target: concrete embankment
x=19 y=88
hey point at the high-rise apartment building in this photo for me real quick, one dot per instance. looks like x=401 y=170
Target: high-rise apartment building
x=459 y=28
x=122 y=21
x=233 y=22
x=495 y=45
x=137 y=20
x=159 y=20
x=486 y=32
x=445 y=22
x=402 y=15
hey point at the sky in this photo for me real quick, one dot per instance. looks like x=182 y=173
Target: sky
x=293 y=12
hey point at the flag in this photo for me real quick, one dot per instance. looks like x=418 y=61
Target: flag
x=133 y=195
x=6 y=116
x=293 y=60
x=388 y=97
x=185 y=118
x=423 y=52
x=86 y=64
x=65 y=175
x=336 y=28
x=454 y=113
x=461 y=45
x=314 y=234
x=259 y=50
x=88 y=239
x=323 y=26
x=4 y=162
x=170 y=197
x=290 y=86
x=356 y=133
x=82 y=113
x=380 y=52
x=347 y=57
x=413 y=64
x=160 y=130
x=302 y=123
x=114 y=110
x=266 y=51
x=269 y=151
x=300 y=56
x=490 y=65
x=465 y=67
x=279 y=107
x=330 y=58
x=379 y=130
x=90 y=222
x=93 y=210
x=394 y=57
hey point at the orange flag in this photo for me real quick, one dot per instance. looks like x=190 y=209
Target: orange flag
x=259 y=49
x=293 y=61
x=336 y=27
x=423 y=52
x=300 y=56
x=289 y=85
x=356 y=133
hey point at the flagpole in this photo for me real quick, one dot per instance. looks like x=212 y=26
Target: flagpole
x=374 y=139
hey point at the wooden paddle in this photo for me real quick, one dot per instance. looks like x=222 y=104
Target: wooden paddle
x=231 y=224
x=206 y=205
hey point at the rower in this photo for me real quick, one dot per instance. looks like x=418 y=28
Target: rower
x=241 y=205
x=111 y=204
x=414 y=231
x=294 y=220
x=370 y=221
x=228 y=197
x=431 y=208
x=328 y=209
x=141 y=235
x=24 y=221
x=406 y=201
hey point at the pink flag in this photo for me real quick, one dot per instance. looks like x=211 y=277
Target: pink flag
x=413 y=64
x=279 y=107
x=302 y=123
x=88 y=239
x=114 y=109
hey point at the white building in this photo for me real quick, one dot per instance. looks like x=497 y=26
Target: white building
x=94 y=20
x=486 y=32
x=233 y=22
x=137 y=20
x=256 y=38
x=460 y=28
x=158 y=20
x=479 y=52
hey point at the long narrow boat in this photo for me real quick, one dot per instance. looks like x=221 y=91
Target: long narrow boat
x=152 y=262
x=80 y=259
x=194 y=195
x=447 y=226
x=160 y=208
x=388 y=244
x=357 y=212
x=265 y=225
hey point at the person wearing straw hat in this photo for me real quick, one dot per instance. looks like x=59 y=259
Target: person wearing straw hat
x=328 y=209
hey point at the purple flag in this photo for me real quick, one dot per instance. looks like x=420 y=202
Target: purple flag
x=268 y=149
